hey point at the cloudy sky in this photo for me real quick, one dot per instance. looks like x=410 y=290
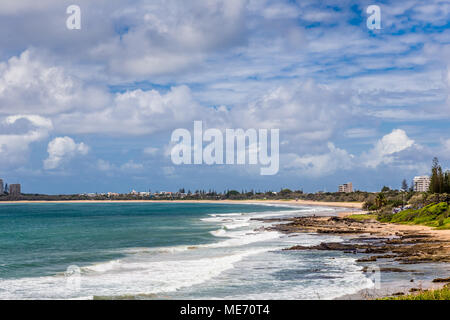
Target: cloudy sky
x=92 y=110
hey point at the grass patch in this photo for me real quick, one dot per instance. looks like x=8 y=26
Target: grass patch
x=433 y=215
x=438 y=294
x=360 y=217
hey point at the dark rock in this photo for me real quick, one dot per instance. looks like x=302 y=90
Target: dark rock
x=441 y=280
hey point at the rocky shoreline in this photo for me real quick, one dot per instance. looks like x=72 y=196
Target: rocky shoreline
x=375 y=242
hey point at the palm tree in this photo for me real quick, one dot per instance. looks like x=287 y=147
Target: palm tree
x=380 y=200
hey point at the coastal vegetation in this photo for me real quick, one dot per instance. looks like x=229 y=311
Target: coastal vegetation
x=437 y=294
x=430 y=208
x=283 y=194
x=432 y=215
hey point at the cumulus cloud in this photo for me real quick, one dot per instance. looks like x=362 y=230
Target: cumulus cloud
x=306 y=110
x=387 y=147
x=395 y=149
x=136 y=112
x=164 y=40
x=62 y=149
x=17 y=133
x=26 y=85
x=30 y=86
x=320 y=164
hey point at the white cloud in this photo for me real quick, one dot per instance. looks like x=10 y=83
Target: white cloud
x=321 y=164
x=385 y=149
x=395 y=149
x=21 y=131
x=306 y=111
x=172 y=36
x=29 y=85
x=62 y=149
x=26 y=85
x=136 y=112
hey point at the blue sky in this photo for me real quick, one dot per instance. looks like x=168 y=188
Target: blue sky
x=92 y=110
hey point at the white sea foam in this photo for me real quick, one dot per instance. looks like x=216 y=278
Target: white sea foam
x=126 y=277
x=243 y=248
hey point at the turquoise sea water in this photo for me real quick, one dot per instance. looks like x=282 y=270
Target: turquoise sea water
x=163 y=250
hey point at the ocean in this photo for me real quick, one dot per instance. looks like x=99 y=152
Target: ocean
x=165 y=251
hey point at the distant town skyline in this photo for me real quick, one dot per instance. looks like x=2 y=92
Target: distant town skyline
x=92 y=108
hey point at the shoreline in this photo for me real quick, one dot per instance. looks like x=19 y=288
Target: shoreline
x=350 y=205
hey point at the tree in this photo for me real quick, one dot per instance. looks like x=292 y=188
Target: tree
x=437 y=177
x=404 y=185
x=411 y=186
x=385 y=189
x=380 y=200
x=447 y=182
x=285 y=191
x=232 y=193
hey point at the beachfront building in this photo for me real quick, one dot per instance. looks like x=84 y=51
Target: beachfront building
x=14 y=190
x=421 y=183
x=346 y=187
x=2 y=190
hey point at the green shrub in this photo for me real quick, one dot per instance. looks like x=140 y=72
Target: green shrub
x=439 y=294
x=433 y=215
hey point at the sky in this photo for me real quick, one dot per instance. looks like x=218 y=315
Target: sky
x=93 y=109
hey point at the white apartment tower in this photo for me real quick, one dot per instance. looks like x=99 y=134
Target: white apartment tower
x=421 y=183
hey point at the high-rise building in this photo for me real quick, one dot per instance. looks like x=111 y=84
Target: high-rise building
x=421 y=183
x=2 y=190
x=346 y=187
x=14 y=190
